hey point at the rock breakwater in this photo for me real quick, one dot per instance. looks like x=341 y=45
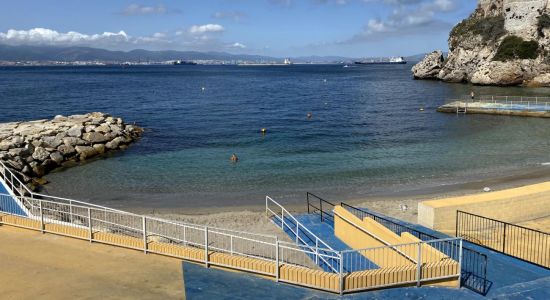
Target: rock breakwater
x=34 y=148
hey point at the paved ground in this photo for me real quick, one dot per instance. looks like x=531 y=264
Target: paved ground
x=45 y=266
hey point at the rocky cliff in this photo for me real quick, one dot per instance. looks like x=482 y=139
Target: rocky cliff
x=503 y=42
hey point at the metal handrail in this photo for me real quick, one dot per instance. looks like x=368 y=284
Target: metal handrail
x=320 y=208
x=294 y=219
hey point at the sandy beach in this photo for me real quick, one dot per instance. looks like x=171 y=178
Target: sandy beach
x=403 y=207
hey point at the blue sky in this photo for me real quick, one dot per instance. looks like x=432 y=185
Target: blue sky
x=354 y=28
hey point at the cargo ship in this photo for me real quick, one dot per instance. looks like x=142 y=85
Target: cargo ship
x=184 y=63
x=390 y=61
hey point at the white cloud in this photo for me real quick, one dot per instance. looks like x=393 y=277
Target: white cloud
x=136 y=9
x=236 y=16
x=206 y=28
x=407 y=17
x=199 y=38
x=238 y=46
x=43 y=36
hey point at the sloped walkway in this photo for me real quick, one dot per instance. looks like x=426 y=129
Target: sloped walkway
x=508 y=275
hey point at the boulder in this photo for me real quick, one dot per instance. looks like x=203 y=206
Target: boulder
x=40 y=154
x=38 y=170
x=430 y=66
x=66 y=150
x=20 y=152
x=57 y=157
x=49 y=165
x=99 y=148
x=104 y=128
x=94 y=137
x=51 y=142
x=115 y=143
x=74 y=141
x=85 y=152
x=75 y=131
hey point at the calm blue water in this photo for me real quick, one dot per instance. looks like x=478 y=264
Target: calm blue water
x=366 y=136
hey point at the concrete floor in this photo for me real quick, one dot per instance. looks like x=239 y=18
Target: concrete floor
x=45 y=266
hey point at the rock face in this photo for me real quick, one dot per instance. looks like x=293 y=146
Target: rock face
x=504 y=42
x=32 y=149
x=430 y=67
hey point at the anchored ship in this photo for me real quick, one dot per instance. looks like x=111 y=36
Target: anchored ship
x=384 y=61
x=184 y=62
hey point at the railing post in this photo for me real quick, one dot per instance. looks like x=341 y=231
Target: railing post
x=277 y=259
x=144 y=223
x=321 y=207
x=341 y=273
x=317 y=251
x=41 y=216
x=71 y=210
x=90 y=234
x=206 y=246
x=504 y=239
x=419 y=265
x=231 y=244
x=460 y=264
x=297 y=232
x=456 y=223
x=283 y=219
x=307 y=198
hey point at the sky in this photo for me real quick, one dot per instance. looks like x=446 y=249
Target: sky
x=351 y=28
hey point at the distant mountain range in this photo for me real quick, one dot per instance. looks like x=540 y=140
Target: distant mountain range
x=72 y=54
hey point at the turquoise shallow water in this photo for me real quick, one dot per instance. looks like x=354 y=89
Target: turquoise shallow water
x=367 y=135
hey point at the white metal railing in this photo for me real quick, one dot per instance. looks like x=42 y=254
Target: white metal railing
x=301 y=234
x=115 y=227
x=535 y=103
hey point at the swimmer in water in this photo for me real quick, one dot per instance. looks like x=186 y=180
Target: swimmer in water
x=309 y=115
x=234 y=158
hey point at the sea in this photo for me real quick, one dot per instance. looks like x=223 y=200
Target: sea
x=373 y=131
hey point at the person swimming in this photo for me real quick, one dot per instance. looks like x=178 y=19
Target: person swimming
x=234 y=158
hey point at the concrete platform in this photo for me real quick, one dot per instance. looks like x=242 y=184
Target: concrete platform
x=45 y=266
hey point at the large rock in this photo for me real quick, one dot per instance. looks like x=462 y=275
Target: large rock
x=503 y=73
x=57 y=157
x=430 y=66
x=74 y=141
x=94 y=137
x=66 y=150
x=51 y=141
x=497 y=27
x=75 y=131
x=85 y=152
x=40 y=154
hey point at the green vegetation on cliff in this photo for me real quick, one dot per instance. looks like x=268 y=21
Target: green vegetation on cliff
x=490 y=29
x=514 y=47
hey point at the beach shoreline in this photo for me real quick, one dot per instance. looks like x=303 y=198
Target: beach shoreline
x=400 y=205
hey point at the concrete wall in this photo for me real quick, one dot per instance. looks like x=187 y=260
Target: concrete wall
x=512 y=205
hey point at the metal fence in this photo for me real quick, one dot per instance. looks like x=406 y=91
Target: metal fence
x=521 y=242
x=474 y=263
x=318 y=205
x=301 y=263
x=302 y=235
x=529 y=103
